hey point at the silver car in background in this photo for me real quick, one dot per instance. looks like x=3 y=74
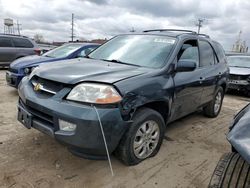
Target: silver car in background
x=13 y=47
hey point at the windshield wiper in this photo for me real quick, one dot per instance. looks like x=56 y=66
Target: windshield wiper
x=47 y=56
x=87 y=56
x=120 y=62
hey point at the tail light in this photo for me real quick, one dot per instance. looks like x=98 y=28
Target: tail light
x=37 y=51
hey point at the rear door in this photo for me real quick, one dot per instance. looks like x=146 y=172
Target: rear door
x=7 y=50
x=211 y=69
x=24 y=47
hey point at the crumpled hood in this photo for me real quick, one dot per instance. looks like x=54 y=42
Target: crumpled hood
x=30 y=60
x=239 y=136
x=239 y=70
x=82 y=69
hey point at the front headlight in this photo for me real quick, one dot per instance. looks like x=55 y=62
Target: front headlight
x=28 y=70
x=94 y=93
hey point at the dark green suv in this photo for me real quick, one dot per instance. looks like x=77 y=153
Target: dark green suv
x=133 y=86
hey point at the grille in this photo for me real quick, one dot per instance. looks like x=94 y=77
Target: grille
x=13 y=70
x=47 y=86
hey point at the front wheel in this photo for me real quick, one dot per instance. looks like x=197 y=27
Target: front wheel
x=143 y=138
x=213 y=108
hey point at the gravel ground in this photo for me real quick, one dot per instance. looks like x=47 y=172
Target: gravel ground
x=187 y=157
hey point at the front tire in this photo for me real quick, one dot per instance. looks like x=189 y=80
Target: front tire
x=143 y=139
x=212 y=110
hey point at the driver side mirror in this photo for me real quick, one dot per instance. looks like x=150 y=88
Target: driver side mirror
x=185 y=65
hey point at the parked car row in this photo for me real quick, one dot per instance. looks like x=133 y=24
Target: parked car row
x=24 y=66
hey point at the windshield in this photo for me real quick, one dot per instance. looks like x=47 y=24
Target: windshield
x=239 y=61
x=62 y=51
x=139 y=50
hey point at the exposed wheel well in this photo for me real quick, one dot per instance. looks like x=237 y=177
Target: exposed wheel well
x=159 y=106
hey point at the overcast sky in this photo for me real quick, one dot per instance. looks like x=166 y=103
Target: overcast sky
x=106 y=18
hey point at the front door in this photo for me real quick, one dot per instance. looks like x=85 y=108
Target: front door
x=188 y=87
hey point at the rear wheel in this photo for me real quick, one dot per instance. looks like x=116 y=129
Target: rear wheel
x=213 y=108
x=231 y=171
x=143 y=138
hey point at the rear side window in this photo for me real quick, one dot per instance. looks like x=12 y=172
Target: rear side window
x=22 y=43
x=220 y=52
x=207 y=57
x=5 y=42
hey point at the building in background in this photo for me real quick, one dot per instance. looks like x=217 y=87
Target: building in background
x=240 y=45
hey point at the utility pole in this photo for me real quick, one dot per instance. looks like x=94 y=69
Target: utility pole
x=132 y=30
x=199 y=24
x=72 y=28
x=18 y=27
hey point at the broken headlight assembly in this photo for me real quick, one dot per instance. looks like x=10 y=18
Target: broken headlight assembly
x=94 y=93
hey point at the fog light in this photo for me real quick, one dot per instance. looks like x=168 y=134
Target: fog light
x=66 y=126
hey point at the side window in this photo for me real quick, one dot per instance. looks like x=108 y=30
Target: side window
x=22 y=43
x=85 y=52
x=220 y=52
x=5 y=42
x=189 y=51
x=206 y=54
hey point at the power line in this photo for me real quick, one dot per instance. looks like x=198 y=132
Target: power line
x=199 y=24
x=72 y=28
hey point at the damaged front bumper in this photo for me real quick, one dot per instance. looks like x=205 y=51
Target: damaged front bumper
x=239 y=134
x=239 y=85
x=45 y=112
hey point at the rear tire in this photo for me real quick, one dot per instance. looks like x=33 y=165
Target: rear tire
x=231 y=171
x=212 y=110
x=142 y=134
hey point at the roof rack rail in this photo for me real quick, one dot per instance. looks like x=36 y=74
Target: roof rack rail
x=204 y=35
x=13 y=35
x=177 y=30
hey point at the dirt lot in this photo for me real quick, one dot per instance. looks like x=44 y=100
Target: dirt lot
x=187 y=158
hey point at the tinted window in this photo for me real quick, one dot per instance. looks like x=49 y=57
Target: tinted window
x=206 y=54
x=219 y=51
x=5 y=42
x=22 y=43
x=141 y=50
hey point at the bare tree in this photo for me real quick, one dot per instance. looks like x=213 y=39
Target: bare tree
x=39 y=38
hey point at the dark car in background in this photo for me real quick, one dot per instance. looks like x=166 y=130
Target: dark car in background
x=23 y=66
x=132 y=86
x=233 y=169
x=13 y=47
x=239 y=78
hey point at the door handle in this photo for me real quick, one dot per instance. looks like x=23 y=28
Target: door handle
x=202 y=78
